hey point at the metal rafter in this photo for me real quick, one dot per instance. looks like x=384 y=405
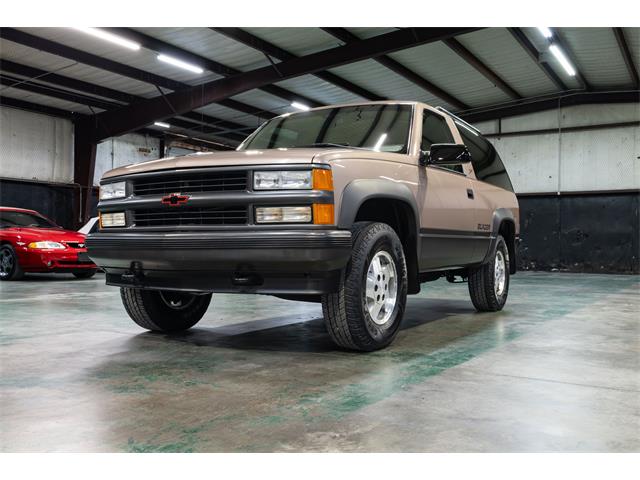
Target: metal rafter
x=35 y=107
x=627 y=56
x=347 y=37
x=54 y=92
x=533 y=52
x=272 y=50
x=222 y=126
x=549 y=103
x=160 y=46
x=129 y=118
x=476 y=63
x=54 y=48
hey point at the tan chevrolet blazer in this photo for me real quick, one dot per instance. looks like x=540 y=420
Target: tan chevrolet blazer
x=351 y=205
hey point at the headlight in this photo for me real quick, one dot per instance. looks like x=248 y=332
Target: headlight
x=46 y=245
x=282 y=180
x=283 y=214
x=112 y=220
x=112 y=190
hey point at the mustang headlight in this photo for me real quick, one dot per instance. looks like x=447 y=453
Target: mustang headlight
x=112 y=190
x=46 y=245
x=282 y=180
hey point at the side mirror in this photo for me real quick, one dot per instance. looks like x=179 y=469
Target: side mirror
x=445 y=154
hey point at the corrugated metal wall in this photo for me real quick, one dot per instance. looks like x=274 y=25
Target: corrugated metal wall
x=124 y=150
x=35 y=147
x=571 y=161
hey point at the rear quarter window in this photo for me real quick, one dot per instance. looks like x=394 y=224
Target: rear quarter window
x=486 y=162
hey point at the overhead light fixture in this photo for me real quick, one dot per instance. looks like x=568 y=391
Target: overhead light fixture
x=180 y=63
x=562 y=59
x=300 y=106
x=380 y=141
x=162 y=125
x=546 y=32
x=109 y=37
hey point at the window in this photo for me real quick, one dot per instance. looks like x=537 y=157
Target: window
x=485 y=159
x=383 y=127
x=436 y=130
x=12 y=218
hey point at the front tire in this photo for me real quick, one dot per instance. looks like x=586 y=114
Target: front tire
x=489 y=283
x=366 y=312
x=163 y=310
x=9 y=265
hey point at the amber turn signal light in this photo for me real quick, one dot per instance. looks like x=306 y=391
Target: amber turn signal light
x=322 y=179
x=323 y=213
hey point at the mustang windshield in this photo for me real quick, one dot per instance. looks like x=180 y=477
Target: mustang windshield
x=383 y=128
x=12 y=218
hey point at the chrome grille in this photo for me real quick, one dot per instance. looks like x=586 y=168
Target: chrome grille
x=191 y=183
x=190 y=216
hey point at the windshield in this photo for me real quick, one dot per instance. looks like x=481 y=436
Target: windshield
x=383 y=128
x=9 y=218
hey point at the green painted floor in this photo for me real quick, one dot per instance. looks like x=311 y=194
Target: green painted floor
x=557 y=370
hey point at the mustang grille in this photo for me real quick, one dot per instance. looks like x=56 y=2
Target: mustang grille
x=189 y=216
x=191 y=182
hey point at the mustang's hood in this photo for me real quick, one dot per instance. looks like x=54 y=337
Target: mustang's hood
x=250 y=157
x=54 y=234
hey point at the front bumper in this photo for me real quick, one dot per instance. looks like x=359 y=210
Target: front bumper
x=55 y=261
x=265 y=261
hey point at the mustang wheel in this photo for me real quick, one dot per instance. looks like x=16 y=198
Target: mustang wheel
x=366 y=312
x=9 y=266
x=489 y=283
x=164 y=310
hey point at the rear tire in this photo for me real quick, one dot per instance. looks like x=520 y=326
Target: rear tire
x=366 y=312
x=85 y=274
x=9 y=265
x=163 y=310
x=489 y=283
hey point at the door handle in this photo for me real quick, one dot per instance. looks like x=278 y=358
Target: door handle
x=469 y=193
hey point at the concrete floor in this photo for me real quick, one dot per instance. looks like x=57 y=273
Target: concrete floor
x=557 y=370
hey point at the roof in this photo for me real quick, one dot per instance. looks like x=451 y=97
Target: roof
x=475 y=73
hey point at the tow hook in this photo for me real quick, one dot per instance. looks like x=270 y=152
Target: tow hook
x=134 y=275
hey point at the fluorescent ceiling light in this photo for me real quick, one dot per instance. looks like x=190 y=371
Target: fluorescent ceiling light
x=380 y=141
x=180 y=63
x=562 y=59
x=546 y=32
x=300 y=106
x=109 y=37
x=162 y=124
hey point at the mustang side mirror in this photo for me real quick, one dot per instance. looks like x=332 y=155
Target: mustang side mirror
x=445 y=154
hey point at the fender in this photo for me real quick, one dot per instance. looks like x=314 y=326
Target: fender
x=359 y=191
x=499 y=216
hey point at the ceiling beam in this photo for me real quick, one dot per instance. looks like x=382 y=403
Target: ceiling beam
x=627 y=56
x=37 y=108
x=54 y=48
x=347 y=37
x=549 y=103
x=160 y=46
x=559 y=40
x=68 y=96
x=464 y=53
x=533 y=52
x=267 y=48
x=132 y=117
x=222 y=126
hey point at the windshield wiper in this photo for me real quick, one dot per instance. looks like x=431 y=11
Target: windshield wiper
x=328 y=145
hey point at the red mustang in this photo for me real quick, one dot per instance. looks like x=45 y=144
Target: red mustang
x=30 y=242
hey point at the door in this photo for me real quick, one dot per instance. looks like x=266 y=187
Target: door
x=447 y=217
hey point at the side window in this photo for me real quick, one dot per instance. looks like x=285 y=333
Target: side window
x=487 y=164
x=436 y=130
